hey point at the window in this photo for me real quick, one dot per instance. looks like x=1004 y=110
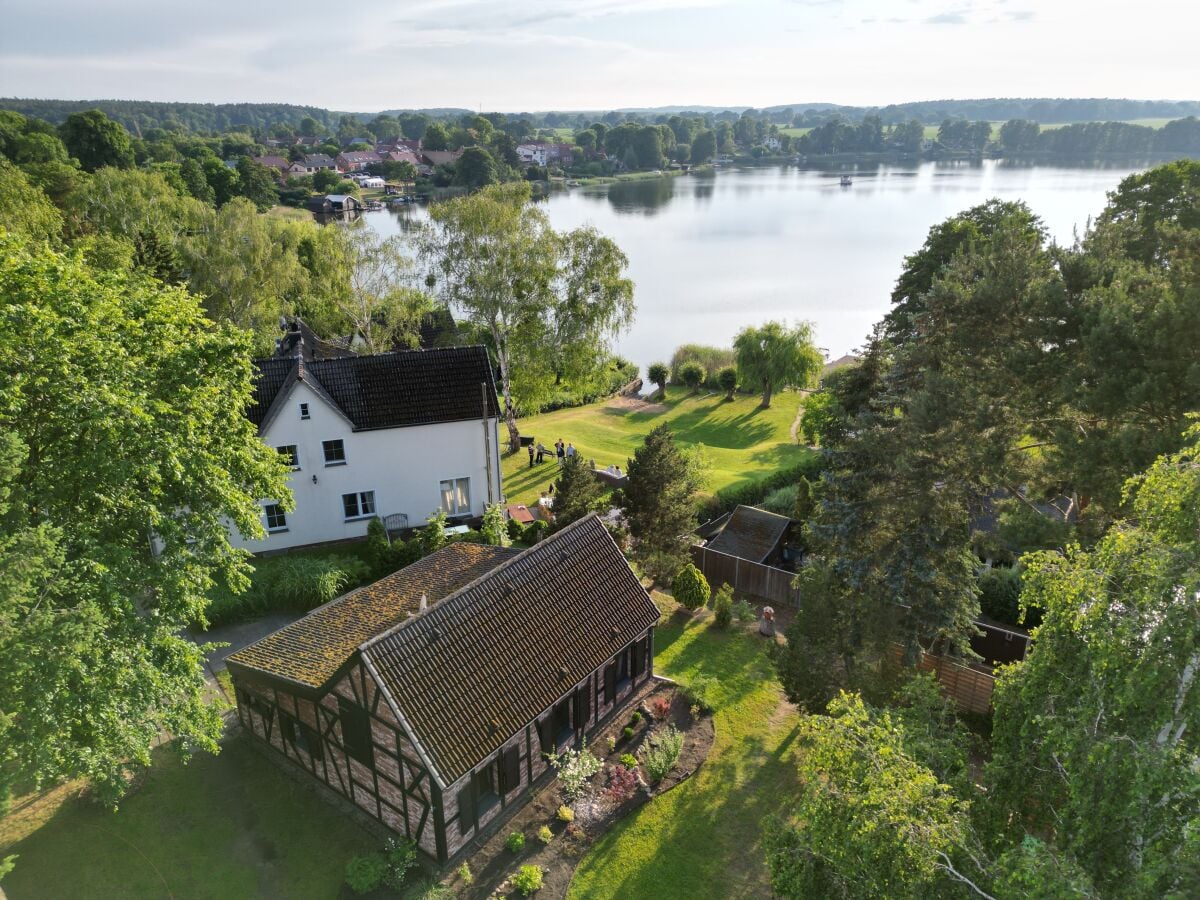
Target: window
x=356 y=731
x=623 y=669
x=335 y=452
x=276 y=520
x=290 y=455
x=561 y=727
x=456 y=496
x=485 y=789
x=304 y=411
x=358 y=505
x=310 y=742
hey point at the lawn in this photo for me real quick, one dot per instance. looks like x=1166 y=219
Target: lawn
x=741 y=441
x=222 y=826
x=703 y=839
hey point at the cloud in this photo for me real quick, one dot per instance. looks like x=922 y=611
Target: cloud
x=1022 y=15
x=951 y=17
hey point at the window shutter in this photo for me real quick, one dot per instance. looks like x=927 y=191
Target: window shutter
x=639 y=657
x=510 y=769
x=544 y=736
x=610 y=683
x=581 y=707
x=466 y=809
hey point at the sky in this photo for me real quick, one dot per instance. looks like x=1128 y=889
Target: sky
x=535 y=55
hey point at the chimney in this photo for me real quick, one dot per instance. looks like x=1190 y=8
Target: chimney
x=424 y=603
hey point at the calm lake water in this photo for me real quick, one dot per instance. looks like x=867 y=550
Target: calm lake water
x=711 y=253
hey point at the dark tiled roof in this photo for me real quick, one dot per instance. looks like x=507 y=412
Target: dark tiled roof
x=387 y=390
x=751 y=533
x=480 y=665
x=312 y=649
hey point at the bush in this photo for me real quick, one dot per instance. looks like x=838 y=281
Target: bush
x=292 y=582
x=629 y=761
x=622 y=783
x=663 y=753
x=527 y=880
x=1000 y=595
x=401 y=856
x=781 y=501
x=516 y=531
x=493 y=527
x=535 y=529
x=692 y=374
x=612 y=743
x=700 y=692
x=711 y=359
x=723 y=607
x=545 y=835
x=658 y=374
x=635 y=719
x=660 y=707
x=515 y=842
x=378 y=548
x=691 y=587
x=433 y=535
x=428 y=890
x=365 y=872
x=464 y=872
x=565 y=814
x=575 y=769
x=727 y=380
x=744 y=612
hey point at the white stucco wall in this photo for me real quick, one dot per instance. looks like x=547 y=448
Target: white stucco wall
x=403 y=466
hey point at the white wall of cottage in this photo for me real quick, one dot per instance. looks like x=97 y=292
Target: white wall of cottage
x=403 y=466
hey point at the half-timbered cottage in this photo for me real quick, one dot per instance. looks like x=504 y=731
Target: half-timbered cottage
x=430 y=698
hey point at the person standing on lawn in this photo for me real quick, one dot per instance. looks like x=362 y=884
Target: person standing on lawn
x=570 y=449
x=531 y=456
x=560 y=451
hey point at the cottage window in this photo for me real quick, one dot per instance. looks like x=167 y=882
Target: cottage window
x=290 y=455
x=358 y=505
x=304 y=411
x=456 y=496
x=276 y=519
x=561 y=728
x=623 y=670
x=486 y=795
x=310 y=742
x=356 y=731
x=335 y=452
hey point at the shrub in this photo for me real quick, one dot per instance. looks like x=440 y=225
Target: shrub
x=711 y=359
x=516 y=531
x=781 y=501
x=1000 y=594
x=635 y=719
x=612 y=743
x=428 y=890
x=535 y=529
x=692 y=374
x=658 y=374
x=464 y=872
x=727 y=379
x=515 y=842
x=622 y=783
x=305 y=582
x=700 y=692
x=691 y=587
x=663 y=753
x=723 y=607
x=660 y=707
x=575 y=769
x=629 y=760
x=365 y=872
x=378 y=547
x=627 y=733
x=753 y=492
x=565 y=814
x=527 y=880
x=401 y=857
x=744 y=612
x=545 y=835
x=493 y=527
x=433 y=535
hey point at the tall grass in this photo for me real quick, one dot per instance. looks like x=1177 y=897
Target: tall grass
x=295 y=583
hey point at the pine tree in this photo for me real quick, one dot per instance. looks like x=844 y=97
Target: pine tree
x=577 y=492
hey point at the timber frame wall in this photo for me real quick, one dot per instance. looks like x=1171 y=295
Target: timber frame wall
x=389 y=781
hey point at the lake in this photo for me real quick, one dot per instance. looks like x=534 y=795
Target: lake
x=711 y=253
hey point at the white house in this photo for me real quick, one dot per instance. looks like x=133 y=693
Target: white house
x=395 y=435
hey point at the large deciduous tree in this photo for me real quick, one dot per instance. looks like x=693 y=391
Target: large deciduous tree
x=549 y=302
x=382 y=305
x=24 y=208
x=122 y=411
x=97 y=141
x=774 y=357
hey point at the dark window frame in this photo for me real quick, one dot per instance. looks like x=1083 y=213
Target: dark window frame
x=292 y=452
x=485 y=785
x=276 y=512
x=304 y=413
x=363 y=506
x=334 y=452
x=357 y=740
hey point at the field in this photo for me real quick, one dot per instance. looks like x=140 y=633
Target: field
x=741 y=441
x=703 y=839
x=222 y=826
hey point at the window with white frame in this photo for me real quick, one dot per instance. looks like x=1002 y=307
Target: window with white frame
x=335 y=452
x=290 y=455
x=304 y=411
x=358 y=504
x=276 y=518
x=456 y=496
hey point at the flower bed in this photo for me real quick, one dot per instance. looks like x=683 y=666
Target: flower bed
x=615 y=791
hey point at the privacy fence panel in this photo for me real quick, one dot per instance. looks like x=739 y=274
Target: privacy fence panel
x=745 y=577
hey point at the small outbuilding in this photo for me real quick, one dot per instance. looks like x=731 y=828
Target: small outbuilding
x=753 y=534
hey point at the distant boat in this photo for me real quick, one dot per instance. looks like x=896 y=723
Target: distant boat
x=845 y=181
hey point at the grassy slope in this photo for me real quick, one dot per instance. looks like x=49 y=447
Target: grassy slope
x=703 y=839
x=742 y=442
x=226 y=826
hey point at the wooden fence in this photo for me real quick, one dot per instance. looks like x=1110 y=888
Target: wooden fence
x=970 y=688
x=746 y=577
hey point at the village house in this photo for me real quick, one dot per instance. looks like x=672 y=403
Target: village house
x=312 y=162
x=441 y=157
x=357 y=160
x=542 y=153
x=398 y=144
x=278 y=163
x=395 y=435
x=430 y=698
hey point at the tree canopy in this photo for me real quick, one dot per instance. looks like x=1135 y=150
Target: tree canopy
x=774 y=357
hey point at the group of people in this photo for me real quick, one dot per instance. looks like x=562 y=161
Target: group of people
x=539 y=453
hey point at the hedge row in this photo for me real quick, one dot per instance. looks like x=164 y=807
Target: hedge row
x=754 y=492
